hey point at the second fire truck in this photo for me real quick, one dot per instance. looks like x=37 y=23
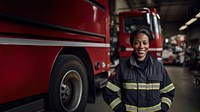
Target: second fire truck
x=142 y=18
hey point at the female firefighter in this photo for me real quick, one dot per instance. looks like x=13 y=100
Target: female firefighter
x=141 y=83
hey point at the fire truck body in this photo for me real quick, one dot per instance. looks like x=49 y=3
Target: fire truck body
x=137 y=19
x=55 y=47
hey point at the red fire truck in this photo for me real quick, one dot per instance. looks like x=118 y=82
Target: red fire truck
x=137 y=19
x=58 y=49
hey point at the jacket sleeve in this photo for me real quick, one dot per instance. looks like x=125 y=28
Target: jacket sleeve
x=111 y=93
x=167 y=91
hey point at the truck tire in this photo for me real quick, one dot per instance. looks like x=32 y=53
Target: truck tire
x=68 y=87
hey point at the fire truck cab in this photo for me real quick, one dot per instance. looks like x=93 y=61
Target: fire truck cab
x=137 y=19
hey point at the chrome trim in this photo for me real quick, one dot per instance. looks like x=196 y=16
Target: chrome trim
x=34 y=42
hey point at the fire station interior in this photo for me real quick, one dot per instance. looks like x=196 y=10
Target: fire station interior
x=180 y=26
x=180 y=22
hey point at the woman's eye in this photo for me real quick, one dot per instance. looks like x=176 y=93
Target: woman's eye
x=145 y=43
x=136 y=43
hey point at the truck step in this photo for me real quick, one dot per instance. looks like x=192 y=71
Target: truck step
x=100 y=82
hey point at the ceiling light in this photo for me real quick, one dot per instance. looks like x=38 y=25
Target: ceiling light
x=183 y=27
x=166 y=40
x=191 y=21
x=198 y=15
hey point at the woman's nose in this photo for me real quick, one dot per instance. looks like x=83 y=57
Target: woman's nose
x=141 y=45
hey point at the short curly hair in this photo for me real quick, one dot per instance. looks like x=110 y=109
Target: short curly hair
x=145 y=31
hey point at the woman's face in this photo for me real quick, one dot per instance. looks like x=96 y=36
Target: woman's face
x=141 y=45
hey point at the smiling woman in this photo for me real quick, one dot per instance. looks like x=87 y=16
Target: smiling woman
x=141 y=83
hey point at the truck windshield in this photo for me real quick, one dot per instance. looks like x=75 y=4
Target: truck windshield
x=132 y=23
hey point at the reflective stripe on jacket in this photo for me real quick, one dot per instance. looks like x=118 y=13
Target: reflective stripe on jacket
x=137 y=89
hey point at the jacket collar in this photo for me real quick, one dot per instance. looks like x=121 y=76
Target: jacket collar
x=133 y=60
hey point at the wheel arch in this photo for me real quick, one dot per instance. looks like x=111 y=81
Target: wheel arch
x=83 y=55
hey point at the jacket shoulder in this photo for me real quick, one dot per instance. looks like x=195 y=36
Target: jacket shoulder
x=124 y=62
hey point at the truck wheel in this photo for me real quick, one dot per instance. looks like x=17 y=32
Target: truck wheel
x=68 y=88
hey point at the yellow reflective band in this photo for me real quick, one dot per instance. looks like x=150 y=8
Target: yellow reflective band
x=167 y=88
x=166 y=100
x=112 y=86
x=115 y=102
x=131 y=108
x=130 y=85
x=142 y=86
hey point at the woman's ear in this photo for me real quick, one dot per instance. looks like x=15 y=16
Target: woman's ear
x=149 y=42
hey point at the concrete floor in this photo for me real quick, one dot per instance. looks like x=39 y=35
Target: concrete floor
x=187 y=95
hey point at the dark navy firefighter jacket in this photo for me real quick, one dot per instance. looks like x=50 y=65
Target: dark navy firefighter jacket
x=132 y=88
